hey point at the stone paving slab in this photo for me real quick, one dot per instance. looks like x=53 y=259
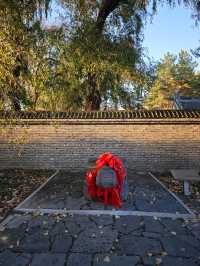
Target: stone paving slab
x=48 y=259
x=77 y=240
x=8 y=258
x=65 y=191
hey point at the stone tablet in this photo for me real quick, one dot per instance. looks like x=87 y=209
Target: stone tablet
x=106 y=177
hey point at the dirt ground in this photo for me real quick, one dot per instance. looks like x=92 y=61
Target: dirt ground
x=16 y=185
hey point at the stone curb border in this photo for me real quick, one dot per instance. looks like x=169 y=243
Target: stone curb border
x=37 y=190
x=173 y=195
x=107 y=212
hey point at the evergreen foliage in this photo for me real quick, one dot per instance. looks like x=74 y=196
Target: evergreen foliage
x=174 y=74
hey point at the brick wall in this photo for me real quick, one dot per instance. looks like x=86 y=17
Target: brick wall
x=156 y=145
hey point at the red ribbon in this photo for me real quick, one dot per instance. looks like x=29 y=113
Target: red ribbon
x=108 y=195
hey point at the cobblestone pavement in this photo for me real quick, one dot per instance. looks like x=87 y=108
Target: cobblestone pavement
x=36 y=240
x=65 y=191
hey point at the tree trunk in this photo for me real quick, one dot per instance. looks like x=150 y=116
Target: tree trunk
x=15 y=99
x=93 y=102
x=16 y=103
x=35 y=99
x=15 y=94
x=107 y=7
x=94 y=99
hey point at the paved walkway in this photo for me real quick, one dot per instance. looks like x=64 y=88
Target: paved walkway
x=98 y=241
x=104 y=240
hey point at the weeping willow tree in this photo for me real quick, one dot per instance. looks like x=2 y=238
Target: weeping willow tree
x=18 y=36
x=97 y=58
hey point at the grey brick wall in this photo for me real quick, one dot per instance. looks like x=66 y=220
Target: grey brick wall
x=147 y=145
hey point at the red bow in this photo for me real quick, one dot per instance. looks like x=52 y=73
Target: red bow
x=108 y=195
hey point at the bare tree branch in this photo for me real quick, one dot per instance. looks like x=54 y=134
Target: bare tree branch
x=108 y=6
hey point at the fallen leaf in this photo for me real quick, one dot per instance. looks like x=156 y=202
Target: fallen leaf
x=173 y=233
x=106 y=259
x=164 y=253
x=4 y=238
x=158 y=261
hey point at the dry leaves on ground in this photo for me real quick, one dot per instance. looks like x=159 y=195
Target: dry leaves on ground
x=16 y=185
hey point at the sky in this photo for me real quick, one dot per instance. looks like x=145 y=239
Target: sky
x=170 y=31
